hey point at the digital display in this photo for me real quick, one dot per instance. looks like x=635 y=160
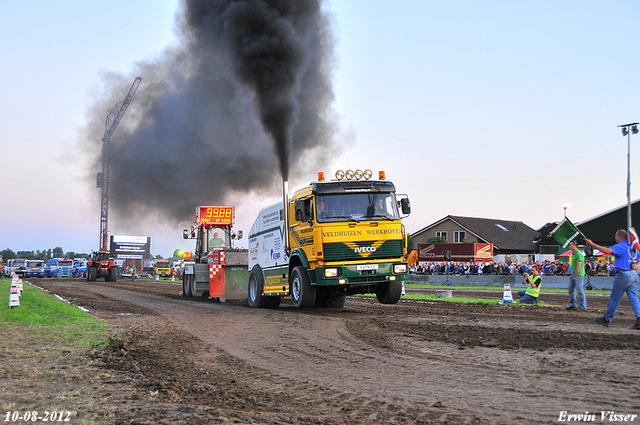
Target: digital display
x=216 y=215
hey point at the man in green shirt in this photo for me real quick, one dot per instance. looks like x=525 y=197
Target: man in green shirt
x=576 y=279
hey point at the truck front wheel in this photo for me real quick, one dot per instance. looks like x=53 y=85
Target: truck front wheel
x=330 y=301
x=302 y=292
x=389 y=293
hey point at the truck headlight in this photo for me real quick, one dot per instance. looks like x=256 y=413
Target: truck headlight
x=399 y=268
x=333 y=272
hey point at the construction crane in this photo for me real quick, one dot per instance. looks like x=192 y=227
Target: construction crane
x=103 y=177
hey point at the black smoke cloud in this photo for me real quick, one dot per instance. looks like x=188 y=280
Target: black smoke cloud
x=243 y=101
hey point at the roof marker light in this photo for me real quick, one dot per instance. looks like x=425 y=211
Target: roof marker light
x=320 y=176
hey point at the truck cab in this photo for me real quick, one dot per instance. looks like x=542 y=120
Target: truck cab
x=35 y=268
x=345 y=237
x=17 y=266
x=79 y=267
x=162 y=268
x=58 y=267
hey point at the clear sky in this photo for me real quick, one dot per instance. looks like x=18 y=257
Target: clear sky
x=494 y=109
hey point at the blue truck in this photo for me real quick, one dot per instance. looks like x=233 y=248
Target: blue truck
x=59 y=267
x=79 y=267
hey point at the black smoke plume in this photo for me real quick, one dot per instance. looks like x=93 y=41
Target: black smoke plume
x=243 y=101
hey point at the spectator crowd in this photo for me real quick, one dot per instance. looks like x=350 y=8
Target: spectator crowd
x=547 y=268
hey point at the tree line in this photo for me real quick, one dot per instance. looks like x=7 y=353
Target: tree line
x=45 y=254
x=48 y=254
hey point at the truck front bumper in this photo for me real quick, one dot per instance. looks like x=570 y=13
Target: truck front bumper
x=360 y=274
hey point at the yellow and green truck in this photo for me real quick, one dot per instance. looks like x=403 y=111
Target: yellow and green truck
x=162 y=268
x=334 y=238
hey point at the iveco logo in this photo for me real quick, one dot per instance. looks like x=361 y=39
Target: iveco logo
x=360 y=249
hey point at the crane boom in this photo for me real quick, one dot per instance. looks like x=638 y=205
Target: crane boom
x=103 y=177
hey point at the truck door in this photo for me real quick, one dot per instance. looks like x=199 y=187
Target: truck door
x=302 y=226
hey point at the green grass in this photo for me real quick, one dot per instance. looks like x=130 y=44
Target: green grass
x=55 y=320
x=499 y=288
x=424 y=297
x=452 y=299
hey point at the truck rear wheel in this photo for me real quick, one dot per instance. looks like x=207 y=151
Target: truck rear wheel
x=256 y=287
x=92 y=274
x=389 y=293
x=302 y=292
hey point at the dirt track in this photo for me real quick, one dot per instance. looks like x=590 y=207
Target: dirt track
x=189 y=361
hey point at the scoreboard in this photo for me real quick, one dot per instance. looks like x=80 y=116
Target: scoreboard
x=216 y=215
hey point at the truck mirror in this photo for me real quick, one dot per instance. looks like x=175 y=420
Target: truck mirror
x=406 y=205
x=447 y=255
x=185 y=234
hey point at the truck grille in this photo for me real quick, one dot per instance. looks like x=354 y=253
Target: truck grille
x=341 y=252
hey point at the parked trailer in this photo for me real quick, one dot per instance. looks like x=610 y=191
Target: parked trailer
x=215 y=269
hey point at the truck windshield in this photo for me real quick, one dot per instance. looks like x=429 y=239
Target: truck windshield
x=356 y=207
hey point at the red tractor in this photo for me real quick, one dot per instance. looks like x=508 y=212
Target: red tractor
x=101 y=264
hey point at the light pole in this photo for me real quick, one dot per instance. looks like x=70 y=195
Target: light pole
x=627 y=129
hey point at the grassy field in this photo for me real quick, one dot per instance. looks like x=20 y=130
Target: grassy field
x=43 y=355
x=55 y=320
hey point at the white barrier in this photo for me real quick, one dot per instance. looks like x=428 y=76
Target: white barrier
x=14 y=296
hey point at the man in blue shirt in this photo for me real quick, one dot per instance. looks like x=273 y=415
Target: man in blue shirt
x=626 y=279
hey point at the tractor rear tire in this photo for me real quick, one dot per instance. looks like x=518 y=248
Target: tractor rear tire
x=92 y=274
x=113 y=274
x=186 y=285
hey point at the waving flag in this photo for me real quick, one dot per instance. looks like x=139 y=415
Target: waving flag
x=565 y=232
x=633 y=239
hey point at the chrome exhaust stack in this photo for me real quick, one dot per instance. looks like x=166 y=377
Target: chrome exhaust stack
x=285 y=205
